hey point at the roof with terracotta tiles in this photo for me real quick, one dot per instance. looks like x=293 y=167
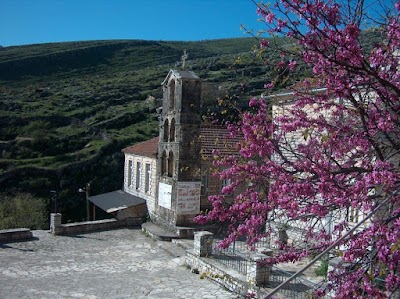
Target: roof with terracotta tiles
x=146 y=148
x=212 y=138
x=218 y=138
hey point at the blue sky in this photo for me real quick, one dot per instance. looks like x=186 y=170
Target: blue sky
x=43 y=21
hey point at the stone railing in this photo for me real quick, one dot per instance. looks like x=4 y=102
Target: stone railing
x=15 y=234
x=57 y=228
x=202 y=260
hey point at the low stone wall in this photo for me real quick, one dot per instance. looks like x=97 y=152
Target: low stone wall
x=227 y=277
x=201 y=260
x=16 y=234
x=57 y=228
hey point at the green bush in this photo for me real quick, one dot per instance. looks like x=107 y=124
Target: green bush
x=22 y=211
x=322 y=270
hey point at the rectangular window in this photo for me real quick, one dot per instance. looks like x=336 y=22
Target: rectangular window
x=138 y=174
x=147 y=178
x=353 y=214
x=226 y=182
x=129 y=170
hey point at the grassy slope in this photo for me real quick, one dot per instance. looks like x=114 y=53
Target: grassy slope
x=67 y=109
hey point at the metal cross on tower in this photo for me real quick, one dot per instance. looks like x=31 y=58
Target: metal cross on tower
x=183 y=58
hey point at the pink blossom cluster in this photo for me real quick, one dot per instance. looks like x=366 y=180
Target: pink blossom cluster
x=333 y=150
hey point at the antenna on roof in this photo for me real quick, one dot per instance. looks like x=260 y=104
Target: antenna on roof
x=183 y=59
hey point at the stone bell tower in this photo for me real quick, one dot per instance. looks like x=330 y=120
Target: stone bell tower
x=179 y=149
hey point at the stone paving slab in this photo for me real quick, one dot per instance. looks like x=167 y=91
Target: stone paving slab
x=121 y=264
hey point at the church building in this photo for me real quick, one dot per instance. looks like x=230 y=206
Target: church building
x=173 y=172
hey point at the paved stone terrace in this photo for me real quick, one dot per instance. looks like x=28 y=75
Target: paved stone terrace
x=121 y=263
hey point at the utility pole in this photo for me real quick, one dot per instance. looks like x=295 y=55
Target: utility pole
x=86 y=190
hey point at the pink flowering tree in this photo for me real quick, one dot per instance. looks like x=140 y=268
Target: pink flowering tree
x=326 y=155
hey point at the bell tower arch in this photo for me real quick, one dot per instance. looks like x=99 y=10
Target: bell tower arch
x=179 y=145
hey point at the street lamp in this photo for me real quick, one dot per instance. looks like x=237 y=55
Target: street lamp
x=54 y=198
x=86 y=190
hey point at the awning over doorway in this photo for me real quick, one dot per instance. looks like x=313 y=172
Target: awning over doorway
x=115 y=201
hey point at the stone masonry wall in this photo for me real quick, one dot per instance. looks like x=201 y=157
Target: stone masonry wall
x=57 y=228
x=16 y=234
x=229 y=278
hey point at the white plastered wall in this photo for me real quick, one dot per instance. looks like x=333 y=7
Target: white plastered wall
x=131 y=186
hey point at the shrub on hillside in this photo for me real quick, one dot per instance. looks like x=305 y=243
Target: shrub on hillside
x=22 y=211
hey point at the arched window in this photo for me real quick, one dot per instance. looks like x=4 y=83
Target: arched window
x=166 y=130
x=171 y=164
x=164 y=163
x=172 y=131
x=171 y=94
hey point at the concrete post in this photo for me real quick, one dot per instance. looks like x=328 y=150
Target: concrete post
x=257 y=271
x=55 y=223
x=203 y=243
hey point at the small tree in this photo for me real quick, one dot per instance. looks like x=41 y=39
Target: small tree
x=22 y=210
x=325 y=151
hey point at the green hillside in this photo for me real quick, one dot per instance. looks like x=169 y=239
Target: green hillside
x=67 y=109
